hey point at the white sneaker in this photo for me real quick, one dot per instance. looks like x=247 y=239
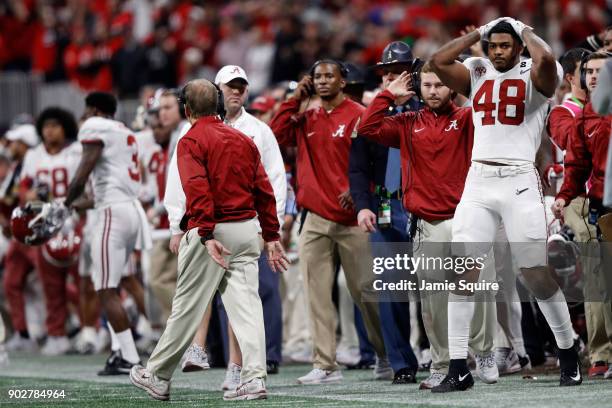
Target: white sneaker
x=55 y=346
x=86 y=341
x=434 y=379
x=4 y=358
x=232 y=377
x=144 y=379
x=382 y=369
x=252 y=390
x=18 y=343
x=507 y=361
x=349 y=357
x=303 y=356
x=318 y=376
x=196 y=359
x=486 y=368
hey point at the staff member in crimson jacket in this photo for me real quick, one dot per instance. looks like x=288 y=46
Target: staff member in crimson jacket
x=435 y=146
x=323 y=138
x=226 y=187
x=585 y=171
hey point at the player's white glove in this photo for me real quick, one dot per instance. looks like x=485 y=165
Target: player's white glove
x=484 y=30
x=57 y=214
x=518 y=26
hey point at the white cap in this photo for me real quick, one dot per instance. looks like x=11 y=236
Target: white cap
x=229 y=72
x=24 y=133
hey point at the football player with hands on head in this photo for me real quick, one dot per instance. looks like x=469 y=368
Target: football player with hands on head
x=510 y=100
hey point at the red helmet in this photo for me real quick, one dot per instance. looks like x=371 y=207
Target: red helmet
x=63 y=249
x=27 y=224
x=36 y=222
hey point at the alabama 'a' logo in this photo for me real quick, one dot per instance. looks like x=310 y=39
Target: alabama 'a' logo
x=339 y=132
x=452 y=126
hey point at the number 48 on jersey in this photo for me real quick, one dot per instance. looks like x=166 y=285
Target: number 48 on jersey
x=510 y=110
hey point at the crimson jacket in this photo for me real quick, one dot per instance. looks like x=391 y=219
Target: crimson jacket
x=585 y=158
x=437 y=148
x=561 y=120
x=324 y=143
x=223 y=179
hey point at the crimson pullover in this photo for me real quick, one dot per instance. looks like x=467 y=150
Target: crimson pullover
x=223 y=179
x=437 y=148
x=585 y=158
x=561 y=120
x=324 y=143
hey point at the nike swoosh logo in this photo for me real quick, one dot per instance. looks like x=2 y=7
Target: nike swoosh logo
x=590 y=135
x=418 y=130
x=463 y=377
x=528 y=69
x=521 y=191
x=310 y=134
x=577 y=377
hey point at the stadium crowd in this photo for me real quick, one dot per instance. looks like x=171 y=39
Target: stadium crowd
x=263 y=57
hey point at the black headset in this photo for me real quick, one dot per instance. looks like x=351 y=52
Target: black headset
x=584 y=58
x=340 y=65
x=415 y=76
x=182 y=100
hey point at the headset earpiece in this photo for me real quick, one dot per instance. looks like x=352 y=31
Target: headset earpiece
x=415 y=76
x=220 y=102
x=583 y=62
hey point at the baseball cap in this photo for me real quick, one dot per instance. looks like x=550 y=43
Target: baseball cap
x=262 y=104
x=229 y=72
x=24 y=133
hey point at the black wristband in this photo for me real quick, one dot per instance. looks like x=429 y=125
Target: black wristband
x=207 y=237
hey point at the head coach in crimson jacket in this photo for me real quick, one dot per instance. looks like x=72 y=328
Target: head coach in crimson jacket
x=226 y=187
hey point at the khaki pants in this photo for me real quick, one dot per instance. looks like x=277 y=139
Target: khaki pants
x=162 y=276
x=319 y=241
x=575 y=217
x=598 y=314
x=199 y=277
x=434 y=306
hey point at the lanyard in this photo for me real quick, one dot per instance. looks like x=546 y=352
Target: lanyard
x=577 y=102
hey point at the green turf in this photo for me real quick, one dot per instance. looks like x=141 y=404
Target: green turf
x=76 y=375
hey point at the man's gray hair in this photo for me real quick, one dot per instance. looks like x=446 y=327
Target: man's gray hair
x=201 y=98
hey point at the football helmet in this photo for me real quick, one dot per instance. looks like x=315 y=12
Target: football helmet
x=36 y=222
x=63 y=249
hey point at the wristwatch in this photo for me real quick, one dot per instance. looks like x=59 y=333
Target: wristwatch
x=207 y=237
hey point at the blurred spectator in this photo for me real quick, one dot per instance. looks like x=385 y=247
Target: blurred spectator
x=274 y=40
x=127 y=65
x=161 y=58
x=263 y=108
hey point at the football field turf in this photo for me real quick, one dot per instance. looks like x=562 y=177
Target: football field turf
x=76 y=376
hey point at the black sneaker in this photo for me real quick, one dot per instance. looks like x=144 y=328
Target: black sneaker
x=116 y=365
x=525 y=362
x=404 y=376
x=272 y=367
x=571 y=374
x=455 y=382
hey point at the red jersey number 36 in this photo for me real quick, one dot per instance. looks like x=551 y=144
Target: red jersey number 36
x=133 y=170
x=483 y=102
